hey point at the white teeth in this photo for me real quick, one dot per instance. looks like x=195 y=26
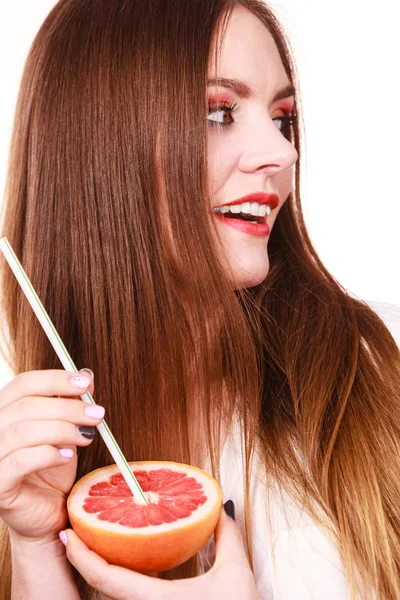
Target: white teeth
x=250 y=208
x=255 y=209
x=263 y=210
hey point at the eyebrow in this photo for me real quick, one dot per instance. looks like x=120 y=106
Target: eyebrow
x=243 y=90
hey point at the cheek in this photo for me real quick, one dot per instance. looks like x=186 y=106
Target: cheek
x=221 y=163
x=283 y=182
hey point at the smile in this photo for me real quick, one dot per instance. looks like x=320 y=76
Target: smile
x=245 y=226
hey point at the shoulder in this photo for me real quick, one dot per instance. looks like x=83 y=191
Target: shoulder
x=389 y=314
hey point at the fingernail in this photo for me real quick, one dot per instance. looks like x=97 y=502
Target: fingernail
x=230 y=509
x=87 y=432
x=95 y=411
x=89 y=371
x=63 y=537
x=66 y=452
x=80 y=381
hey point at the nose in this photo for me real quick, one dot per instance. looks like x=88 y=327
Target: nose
x=266 y=150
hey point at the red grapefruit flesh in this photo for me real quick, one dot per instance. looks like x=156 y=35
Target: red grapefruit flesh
x=184 y=504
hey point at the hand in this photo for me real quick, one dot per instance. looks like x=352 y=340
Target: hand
x=34 y=478
x=230 y=576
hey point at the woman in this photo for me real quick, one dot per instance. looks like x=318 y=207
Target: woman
x=211 y=341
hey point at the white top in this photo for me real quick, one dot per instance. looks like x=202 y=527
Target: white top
x=307 y=565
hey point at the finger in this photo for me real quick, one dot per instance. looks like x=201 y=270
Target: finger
x=50 y=382
x=63 y=409
x=24 y=462
x=110 y=580
x=26 y=434
x=229 y=546
x=89 y=372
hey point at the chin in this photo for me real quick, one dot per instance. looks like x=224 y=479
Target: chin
x=250 y=276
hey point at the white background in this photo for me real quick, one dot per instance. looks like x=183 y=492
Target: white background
x=347 y=55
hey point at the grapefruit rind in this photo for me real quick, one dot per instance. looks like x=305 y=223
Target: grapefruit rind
x=152 y=548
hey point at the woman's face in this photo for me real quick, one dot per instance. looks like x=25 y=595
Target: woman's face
x=248 y=154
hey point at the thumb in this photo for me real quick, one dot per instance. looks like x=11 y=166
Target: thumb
x=229 y=546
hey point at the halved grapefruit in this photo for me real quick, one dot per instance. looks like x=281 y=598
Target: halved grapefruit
x=184 y=505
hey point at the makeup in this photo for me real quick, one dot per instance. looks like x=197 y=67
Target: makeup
x=257 y=229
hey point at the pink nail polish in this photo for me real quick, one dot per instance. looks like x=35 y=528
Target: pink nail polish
x=80 y=381
x=95 y=411
x=63 y=537
x=66 y=452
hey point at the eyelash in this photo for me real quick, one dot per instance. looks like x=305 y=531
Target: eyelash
x=226 y=109
x=288 y=120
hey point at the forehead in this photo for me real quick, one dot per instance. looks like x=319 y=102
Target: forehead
x=249 y=53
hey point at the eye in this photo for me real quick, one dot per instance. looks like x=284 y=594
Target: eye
x=218 y=113
x=286 y=123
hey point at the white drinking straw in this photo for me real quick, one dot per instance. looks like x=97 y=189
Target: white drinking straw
x=67 y=363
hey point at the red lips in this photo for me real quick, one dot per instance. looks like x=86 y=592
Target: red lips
x=260 y=197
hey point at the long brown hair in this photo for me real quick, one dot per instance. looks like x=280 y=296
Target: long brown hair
x=110 y=145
